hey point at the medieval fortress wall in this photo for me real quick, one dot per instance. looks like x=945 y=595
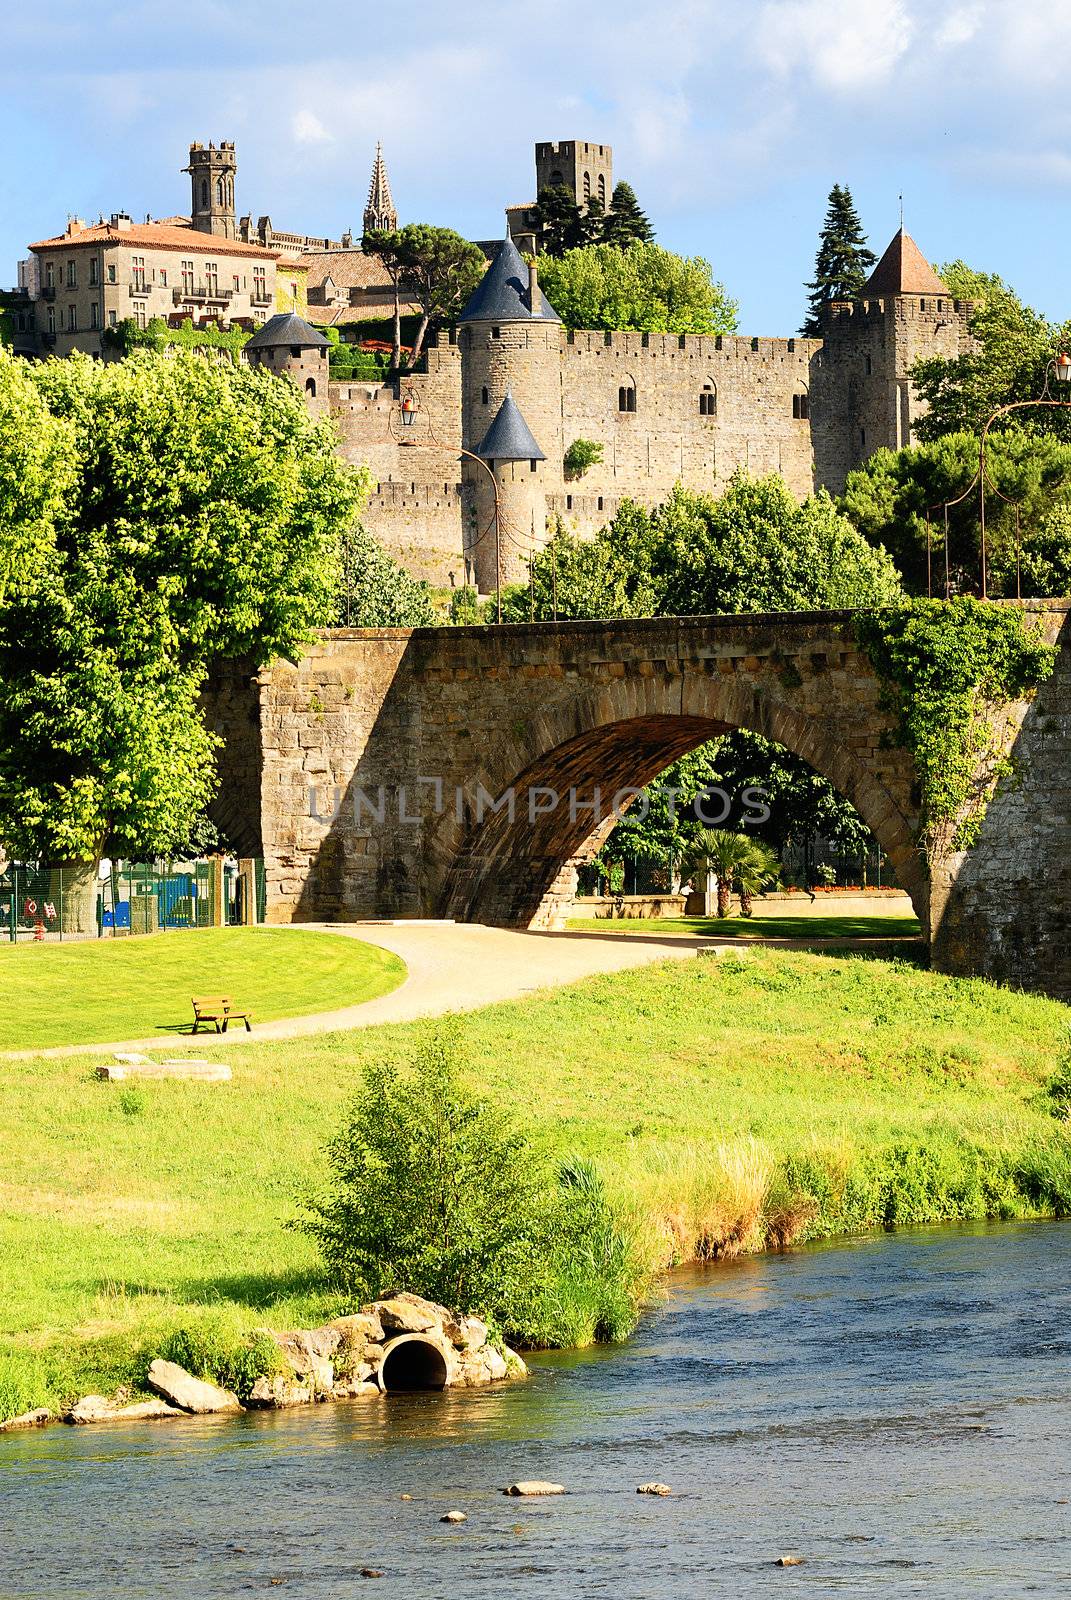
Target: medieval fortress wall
x=700 y=408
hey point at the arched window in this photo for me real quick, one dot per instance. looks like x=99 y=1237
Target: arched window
x=204 y=191
x=626 y=397
x=557 y=179
x=708 y=400
x=602 y=188
x=801 y=406
x=219 y=192
x=587 y=186
x=310 y=387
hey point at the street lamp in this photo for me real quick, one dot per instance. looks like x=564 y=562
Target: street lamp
x=1062 y=365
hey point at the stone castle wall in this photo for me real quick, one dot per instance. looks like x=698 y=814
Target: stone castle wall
x=809 y=409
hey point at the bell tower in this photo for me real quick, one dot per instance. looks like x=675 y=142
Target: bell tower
x=212 y=171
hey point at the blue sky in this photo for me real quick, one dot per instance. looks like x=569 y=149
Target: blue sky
x=731 y=120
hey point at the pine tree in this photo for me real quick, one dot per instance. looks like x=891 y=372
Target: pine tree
x=559 y=221
x=625 y=222
x=843 y=262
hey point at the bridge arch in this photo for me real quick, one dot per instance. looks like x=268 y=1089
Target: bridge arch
x=505 y=866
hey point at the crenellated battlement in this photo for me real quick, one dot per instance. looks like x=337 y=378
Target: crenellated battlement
x=684 y=347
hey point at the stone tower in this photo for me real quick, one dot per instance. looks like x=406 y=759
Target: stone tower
x=289 y=347
x=862 y=396
x=586 y=170
x=379 y=213
x=511 y=377
x=212 y=171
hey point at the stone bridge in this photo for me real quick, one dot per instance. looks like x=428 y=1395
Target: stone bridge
x=375 y=776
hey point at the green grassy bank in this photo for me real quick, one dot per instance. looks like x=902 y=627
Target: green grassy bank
x=729 y=1104
x=108 y=989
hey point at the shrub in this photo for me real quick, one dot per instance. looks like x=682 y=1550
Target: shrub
x=215 y=1345
x=1058 y=1088
x=582 y=454
x=434 y=1191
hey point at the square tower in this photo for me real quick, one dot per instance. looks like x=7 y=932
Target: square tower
x=586 y=170
x=212 y=169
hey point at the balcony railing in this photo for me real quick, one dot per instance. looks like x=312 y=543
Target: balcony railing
x=261 y=297
x=201 y=294
x=139 y=289
x=48 y=291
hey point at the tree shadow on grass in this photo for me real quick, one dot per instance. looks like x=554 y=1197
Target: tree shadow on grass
x=260 y=1291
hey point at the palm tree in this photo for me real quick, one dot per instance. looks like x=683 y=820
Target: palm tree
x=760 y=868
x=720 y=854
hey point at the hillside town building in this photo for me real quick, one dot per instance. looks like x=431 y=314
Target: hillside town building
x=665 y=408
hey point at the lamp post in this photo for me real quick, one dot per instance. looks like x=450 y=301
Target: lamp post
x=409 y=409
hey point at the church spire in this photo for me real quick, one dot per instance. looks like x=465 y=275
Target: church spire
x=379 y=213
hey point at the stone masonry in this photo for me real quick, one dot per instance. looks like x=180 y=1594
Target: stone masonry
x=385 y=752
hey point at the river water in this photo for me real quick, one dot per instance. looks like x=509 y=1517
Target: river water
x=896 y=1411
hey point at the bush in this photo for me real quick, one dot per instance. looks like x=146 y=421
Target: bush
x=216 y=1346
x=434 y=1191
x=1058 y=1088
x=582 y=454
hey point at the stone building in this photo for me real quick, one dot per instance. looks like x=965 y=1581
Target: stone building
x=666 y=408
x=290 y=348
x=584 y=169
x=94 y=276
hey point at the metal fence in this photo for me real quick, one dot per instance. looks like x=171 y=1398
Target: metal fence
x=56 y=903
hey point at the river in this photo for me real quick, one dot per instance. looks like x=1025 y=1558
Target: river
x=896 y=1411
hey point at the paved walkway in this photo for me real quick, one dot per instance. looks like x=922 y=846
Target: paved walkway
x=451 y=967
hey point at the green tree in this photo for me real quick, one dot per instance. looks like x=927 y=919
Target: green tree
x=375 y=592
x=642 y=287
x=558 y=221
x=887 y=500
x=625 y=222
x=1013 y=345
x=202 y=523
x=843 y=261
x=436 y=1191
x=440 y=270
x=36 y=473
x=721 y=855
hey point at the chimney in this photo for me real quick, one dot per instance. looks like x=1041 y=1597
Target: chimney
x=533 y=288
x=121 y=221
x=74 y=225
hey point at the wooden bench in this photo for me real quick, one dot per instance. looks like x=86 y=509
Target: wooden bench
x=218 y=1009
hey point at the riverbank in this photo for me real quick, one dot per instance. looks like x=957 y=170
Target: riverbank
x=729 y=1105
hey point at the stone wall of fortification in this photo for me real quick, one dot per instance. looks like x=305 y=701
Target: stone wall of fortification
x=415 y=508
x=703 y=407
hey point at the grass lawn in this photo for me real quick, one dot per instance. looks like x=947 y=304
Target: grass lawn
x=109 y=989
x=831 y=927
x=712 y=1095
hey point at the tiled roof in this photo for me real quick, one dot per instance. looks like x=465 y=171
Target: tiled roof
x=502 y=293
x=509 y=437
x=155 y=236
x=903 y=269
x=339 y=316
x=286 y=327
x=347 y=269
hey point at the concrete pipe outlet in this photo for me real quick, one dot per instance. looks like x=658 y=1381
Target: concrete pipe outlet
x=413 y=1361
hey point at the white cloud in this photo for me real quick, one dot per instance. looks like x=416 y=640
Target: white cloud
x=307 y=128
x=841 y=44
x=960 y=26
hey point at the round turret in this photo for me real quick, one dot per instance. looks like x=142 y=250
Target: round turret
x=287 y=345
x=510 y=343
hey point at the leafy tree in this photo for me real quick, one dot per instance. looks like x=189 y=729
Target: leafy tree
x=384 y=244
x=642 y=287
x=36 y=472
x=201 y=522
x=724 y=856
x=559 y=221
x=843 y=262
x=435 y=1190
x=375 y=591
x=887 y=500
x=1013 y=344
x=625 y=223
x=436 y=267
